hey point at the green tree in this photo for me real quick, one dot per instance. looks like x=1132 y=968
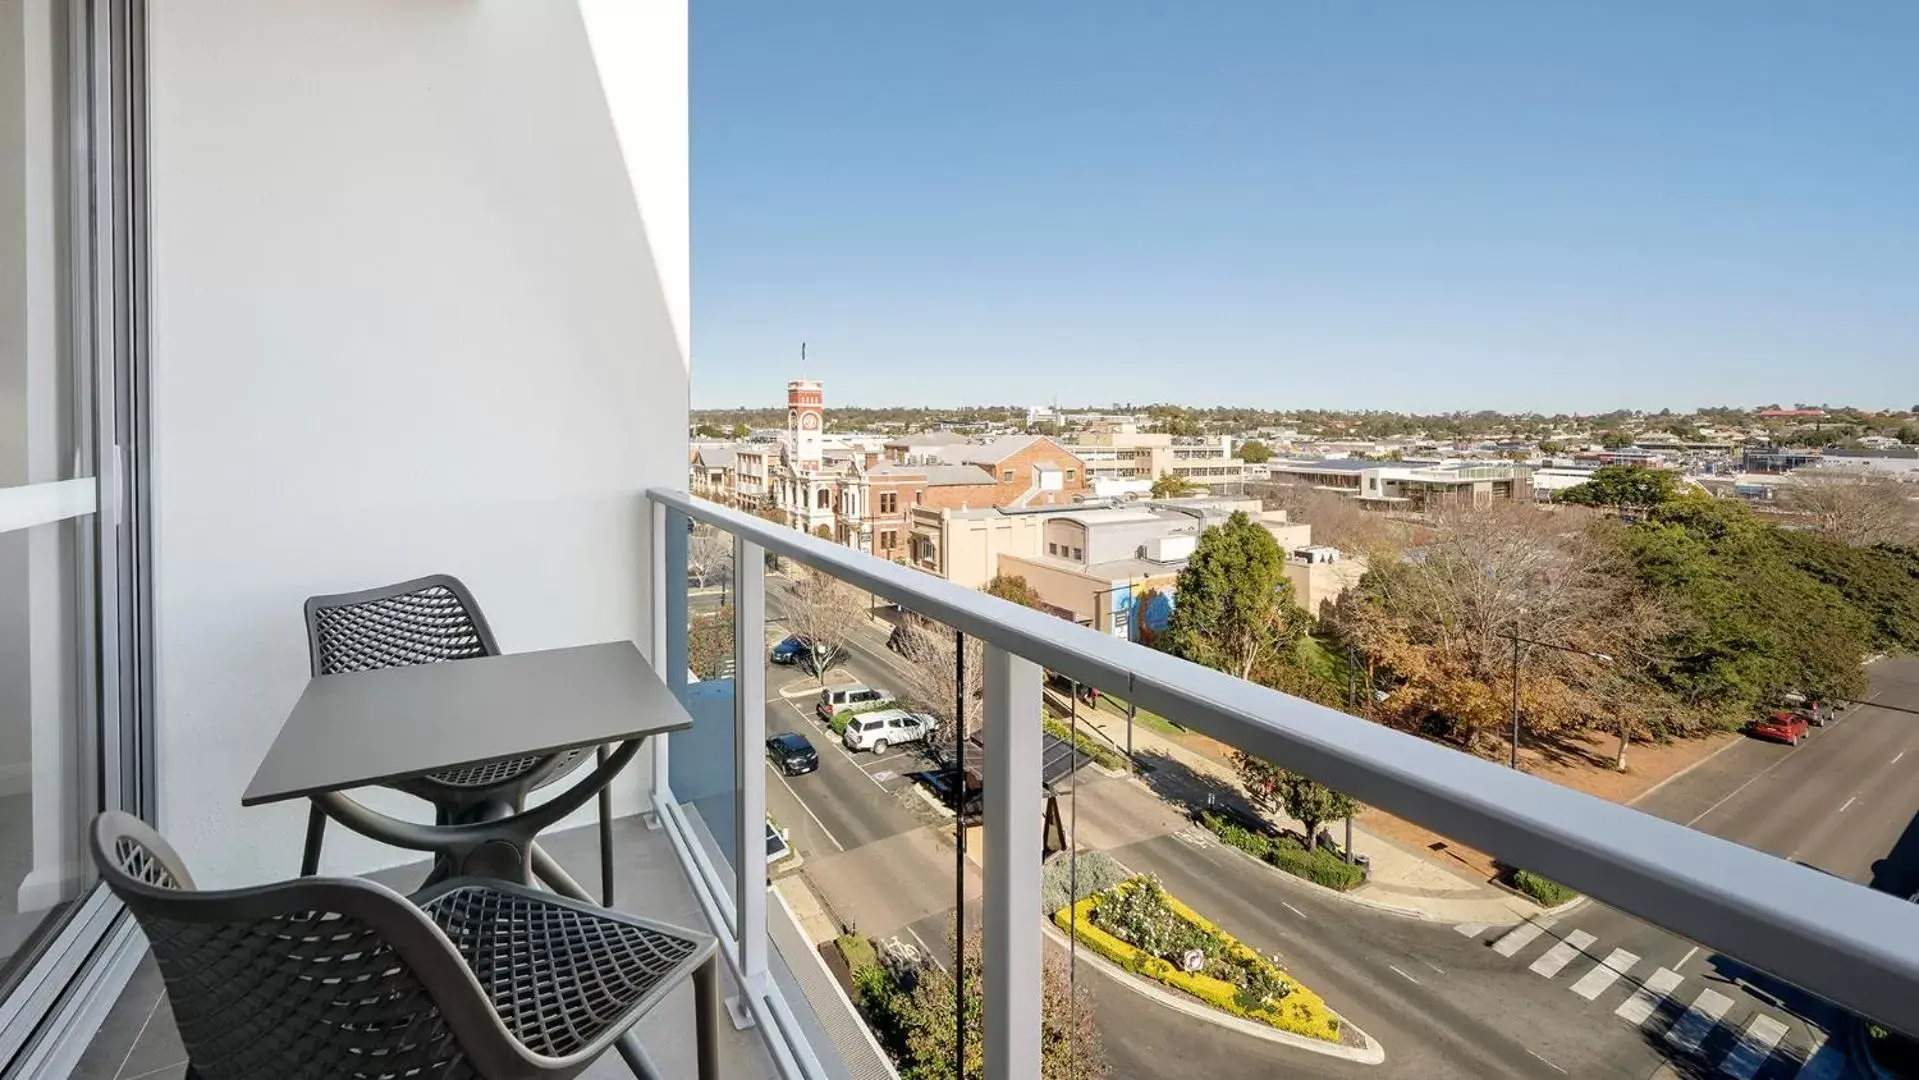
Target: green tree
x=1304 y=799
x=1255 y=452
x=709 y=431
x=930 y=1015
x=741 y=431
x=1171 y=486
x=1015 y=588
x=1551 y=446
x=1234 y=609
x=1625 y=487
x=1614 y=440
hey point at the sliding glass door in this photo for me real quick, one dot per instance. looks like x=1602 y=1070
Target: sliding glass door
x=73 y=718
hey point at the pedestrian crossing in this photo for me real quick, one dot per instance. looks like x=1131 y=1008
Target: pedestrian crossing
x=1697 y=1016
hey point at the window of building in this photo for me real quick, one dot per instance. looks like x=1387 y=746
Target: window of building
x=1052 y=549
x=1079 y=554
x=1006 y=476
x=889 y=539
x=823 y=500
x=1072 y=475
x=889 y=502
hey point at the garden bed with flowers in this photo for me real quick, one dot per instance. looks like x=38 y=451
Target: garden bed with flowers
x=1139 y=926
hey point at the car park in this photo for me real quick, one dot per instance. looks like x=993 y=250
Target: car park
x=883 y=728
x=792 y=753
x=838 y=699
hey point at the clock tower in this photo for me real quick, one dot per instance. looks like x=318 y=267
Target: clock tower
x=805 y=421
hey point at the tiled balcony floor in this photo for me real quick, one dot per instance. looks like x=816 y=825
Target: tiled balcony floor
x=138 y=1040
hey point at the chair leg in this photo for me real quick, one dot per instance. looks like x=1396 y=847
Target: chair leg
x=706 y=1015
x=636 y=1059
x=316 y=831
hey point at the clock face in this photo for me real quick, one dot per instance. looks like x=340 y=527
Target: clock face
x=809 y=421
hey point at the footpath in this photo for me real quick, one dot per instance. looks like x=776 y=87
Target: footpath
x=1415 y=873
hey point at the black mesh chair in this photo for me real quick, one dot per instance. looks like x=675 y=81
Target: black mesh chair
x=337 y=977
x=424 y=621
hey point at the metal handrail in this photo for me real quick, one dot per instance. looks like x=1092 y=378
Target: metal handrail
x=1850 y=945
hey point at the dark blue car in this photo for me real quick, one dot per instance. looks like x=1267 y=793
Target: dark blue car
x=794 y=649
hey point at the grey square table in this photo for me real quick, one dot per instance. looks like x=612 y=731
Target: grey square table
x=362 y=728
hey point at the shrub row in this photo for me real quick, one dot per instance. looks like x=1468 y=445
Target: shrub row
x=1318 y=866
x=1301 y=1011
x=1548 y=892
x=1099 y=752
x=1097 y=872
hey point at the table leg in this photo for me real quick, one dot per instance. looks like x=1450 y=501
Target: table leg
x=316 y=830
x=606 y=837
x=706 y=1014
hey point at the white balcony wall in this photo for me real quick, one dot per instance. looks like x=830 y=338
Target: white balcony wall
x=420 y=288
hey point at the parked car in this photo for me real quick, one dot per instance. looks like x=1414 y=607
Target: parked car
x=1809 y=707
x=882 y=728
x=795 y=649
x=792 y=753
x=837 y=699
x=1782 y=726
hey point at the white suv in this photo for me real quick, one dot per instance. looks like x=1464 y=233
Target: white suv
x=882 y=728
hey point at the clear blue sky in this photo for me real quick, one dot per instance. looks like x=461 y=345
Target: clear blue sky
x=1410 y=205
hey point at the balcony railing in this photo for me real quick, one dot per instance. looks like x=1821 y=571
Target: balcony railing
x=1849 y=945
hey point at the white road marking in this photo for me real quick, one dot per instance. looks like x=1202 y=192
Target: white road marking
x=927 y=949
x=1692 y=1028
x=1849 y=803
x=809 y=810
x=1897 y=756
x=1553 y=960
x=1535 y=1054
x=1637 y=1008
x=1432 y=965
x=1737 y=790
x=1604 y=974
x=1403 y=975
x=1294 y=910
x=1470 y=929
x=1521 y=936
x=1690 y=953
x=1754 y=1047
x=1827 y=1061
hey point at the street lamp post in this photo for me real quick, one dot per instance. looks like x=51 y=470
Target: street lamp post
x=1512 y=760
x=1604 y=658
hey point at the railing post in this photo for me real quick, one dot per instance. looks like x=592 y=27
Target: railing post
x=676 y=602
x=1011 y=957
x=656 y=635
x=749 y=790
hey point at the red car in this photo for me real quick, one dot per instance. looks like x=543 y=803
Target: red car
x=1785 y=727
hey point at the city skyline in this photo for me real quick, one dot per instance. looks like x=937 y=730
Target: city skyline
x=1641 y=207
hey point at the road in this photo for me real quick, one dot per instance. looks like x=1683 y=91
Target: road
x=1445 y=1001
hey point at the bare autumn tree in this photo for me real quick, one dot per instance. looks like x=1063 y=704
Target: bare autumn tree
x=931 y=684
x=825 y=611
x=1339 y=521
x=1441 y=623
x=1854 y=506
x=709 y=556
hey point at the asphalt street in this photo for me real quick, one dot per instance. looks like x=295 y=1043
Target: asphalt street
x=1445 y=1001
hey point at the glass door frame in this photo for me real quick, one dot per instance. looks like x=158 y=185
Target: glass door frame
x=80 y=967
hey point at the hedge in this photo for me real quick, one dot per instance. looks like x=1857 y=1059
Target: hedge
x=840 y=719
x=856 y=950
x=1098 y=752
x=1318 y=865
x=1301 y=1012
x=1548 y=892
